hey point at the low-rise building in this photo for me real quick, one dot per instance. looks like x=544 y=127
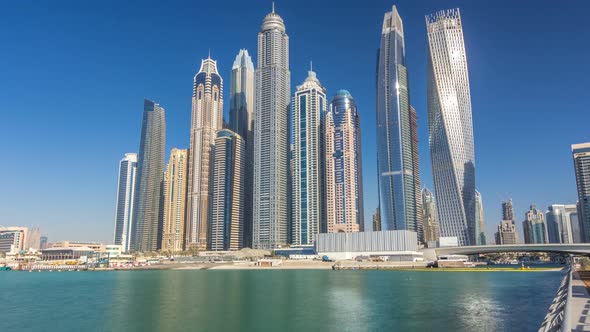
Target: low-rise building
x=114 y=250
x=350 y=245
x=64 y=254
x=13 y=239
x=97 y=247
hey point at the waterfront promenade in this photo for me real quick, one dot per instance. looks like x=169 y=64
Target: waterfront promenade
x=579 y=303
x=570 y=309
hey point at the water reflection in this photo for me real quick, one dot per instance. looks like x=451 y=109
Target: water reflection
x=278 y=300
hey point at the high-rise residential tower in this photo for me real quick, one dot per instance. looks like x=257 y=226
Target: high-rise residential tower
x=506 y=233
x=480 y=237
x=416 y=160
x=581 y=154
x=395 y=145
x=147 y=226
x=226 y=222
x=343 y=166
x=562 y=222
x=376 y=221
x=450 y=129
x=125 y=200
x=241 y=113
x=207 y=119
x=533 y=226
x=271 y=135
x=175 y=180
x=429 y=216
x=309 y=106
x=508 y=210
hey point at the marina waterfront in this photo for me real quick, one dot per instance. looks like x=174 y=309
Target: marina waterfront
x=266 y=300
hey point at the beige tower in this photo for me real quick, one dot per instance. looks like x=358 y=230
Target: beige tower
x=343 y=168
x=207 y=118
x=174 y=201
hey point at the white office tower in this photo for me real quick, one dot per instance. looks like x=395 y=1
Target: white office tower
x=271 y=135
x=207 y=119
x=309 y=105
x=450 y=129
x=125 y=199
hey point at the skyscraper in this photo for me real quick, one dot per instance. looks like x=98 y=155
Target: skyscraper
x=125 y=200
x=480 y=239
x=150 y=173
x=33 y=238
x=581 y=154
x=207 y=119
x=227 y=197
x=416 y=160
x=43 y=242
x=429 y=216
x=562 y=221
x=343 y=166
x=241 y=112
x=376 y=221
x=271 y=135
x=508 y=210
x=506 y=233
x=309 y=106
x=175 y=180
x=533 y=226
x=395 y=150
x=450 y=129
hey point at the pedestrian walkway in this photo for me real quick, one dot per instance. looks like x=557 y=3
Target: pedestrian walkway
x=579 y=303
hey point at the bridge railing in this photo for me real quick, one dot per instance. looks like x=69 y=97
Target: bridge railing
x=557 y=317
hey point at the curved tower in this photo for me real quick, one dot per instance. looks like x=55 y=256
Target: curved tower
x=450 y=128
x=207 y=119
x=150 y=174
x=343 y=173
x=396 y=150
x=271 y=135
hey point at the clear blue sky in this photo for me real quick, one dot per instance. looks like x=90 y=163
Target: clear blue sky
x=74 y=75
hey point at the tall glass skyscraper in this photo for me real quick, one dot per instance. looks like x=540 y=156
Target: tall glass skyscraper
x=241 y=113
x=535 y=231
x=227 y=198
x=309 y=106
x=581 y=154
x=125 y=200
x=450 y=129
x=147 y=224
x=175 y=180
x=207 y=119
x=343 y=166
x=395 y=145
x=563 y=223
x=271 y=135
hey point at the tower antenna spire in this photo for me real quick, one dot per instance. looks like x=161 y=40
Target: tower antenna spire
x=311 y=65
x=273 y=7
x=209 y=56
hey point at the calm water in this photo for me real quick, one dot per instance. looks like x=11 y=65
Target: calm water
x=280 y=300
